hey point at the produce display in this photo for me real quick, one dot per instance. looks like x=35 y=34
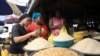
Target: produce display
x=56 y=51
x=88 y=46
x=38 y=44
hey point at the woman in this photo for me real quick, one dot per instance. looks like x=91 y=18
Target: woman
x=20 y=36
x=38 y=24
x=56 y=23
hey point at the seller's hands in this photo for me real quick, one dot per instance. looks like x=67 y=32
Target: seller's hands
x=35 y=34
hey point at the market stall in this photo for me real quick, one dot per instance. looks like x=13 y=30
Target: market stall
x=80 y=16
x=80 y=35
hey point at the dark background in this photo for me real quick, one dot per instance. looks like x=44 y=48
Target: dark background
x=84 y=11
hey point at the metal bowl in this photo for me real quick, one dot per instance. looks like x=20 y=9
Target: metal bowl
x=79 y=53
x=30 y=52
x=88 y=54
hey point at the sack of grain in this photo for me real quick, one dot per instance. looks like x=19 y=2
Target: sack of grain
x=88 y=46
x=56 y=51
x=38 y=44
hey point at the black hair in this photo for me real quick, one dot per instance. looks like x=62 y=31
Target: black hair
x=23 y=17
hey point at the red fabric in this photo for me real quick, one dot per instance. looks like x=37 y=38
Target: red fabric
x=32 y=27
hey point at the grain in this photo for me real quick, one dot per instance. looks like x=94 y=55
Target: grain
x=97 y=37
x=87 y=45
x=56 y=51
x=38 y=44
x=63 y=37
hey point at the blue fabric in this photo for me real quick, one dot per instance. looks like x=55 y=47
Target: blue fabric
x=4 y=8
x=36 y=15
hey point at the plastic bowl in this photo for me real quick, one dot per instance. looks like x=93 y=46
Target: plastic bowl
x=65 y=44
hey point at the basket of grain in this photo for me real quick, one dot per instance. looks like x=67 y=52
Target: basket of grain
x=88 y=46
x=63 y=40
x=57 y=51
x=36 y=45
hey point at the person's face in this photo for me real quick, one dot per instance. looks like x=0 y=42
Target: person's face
x=39 y=20
x=27 y=21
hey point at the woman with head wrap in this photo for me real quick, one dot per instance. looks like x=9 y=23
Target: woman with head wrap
x=56 y=23
x=20 y=36
x=38 y=24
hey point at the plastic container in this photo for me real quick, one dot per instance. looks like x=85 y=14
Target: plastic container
x=4 y=52
x=65 y=44
x=78 y=36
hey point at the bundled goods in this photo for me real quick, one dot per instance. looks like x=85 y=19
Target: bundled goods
x=38 y=44
x=56 y=51
x=88 y=46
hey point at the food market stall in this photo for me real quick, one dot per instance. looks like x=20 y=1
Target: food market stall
x=78 y=13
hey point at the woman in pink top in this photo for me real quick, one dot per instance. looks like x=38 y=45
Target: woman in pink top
x=56 y=23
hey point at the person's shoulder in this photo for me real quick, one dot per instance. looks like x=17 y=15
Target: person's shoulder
x=16 y=26
x=32 y=24
x=44 y=25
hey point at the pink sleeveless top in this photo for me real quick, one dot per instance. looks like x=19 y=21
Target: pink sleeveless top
x=57 y=21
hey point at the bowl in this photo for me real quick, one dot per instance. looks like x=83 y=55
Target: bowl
x=88 y=54
x=79 y=53
x=29 y=52
x=78 y=36
x=65 y=44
